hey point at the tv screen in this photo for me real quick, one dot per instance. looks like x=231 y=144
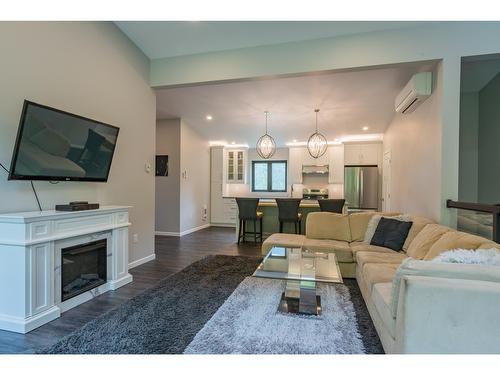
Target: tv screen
x=55 y=145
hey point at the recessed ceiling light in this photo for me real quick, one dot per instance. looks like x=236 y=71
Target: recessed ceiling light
x=233 y=143
x=294 y=141
x=208 y=117
x=365 y=128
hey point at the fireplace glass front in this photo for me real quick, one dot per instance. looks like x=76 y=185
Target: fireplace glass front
x=83 y=267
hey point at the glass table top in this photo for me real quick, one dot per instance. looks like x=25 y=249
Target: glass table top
x=300 y=264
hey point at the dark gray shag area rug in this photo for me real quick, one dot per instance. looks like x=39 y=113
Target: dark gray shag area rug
x=165 y=319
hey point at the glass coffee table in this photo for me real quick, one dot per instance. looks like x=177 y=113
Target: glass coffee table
x=302 y=269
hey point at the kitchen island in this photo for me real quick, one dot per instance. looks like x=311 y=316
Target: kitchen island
x=270 y=223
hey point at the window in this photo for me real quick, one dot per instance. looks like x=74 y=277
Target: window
x=269 y=176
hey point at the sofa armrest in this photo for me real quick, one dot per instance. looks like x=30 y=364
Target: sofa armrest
x=447 y=315
x=415 y=267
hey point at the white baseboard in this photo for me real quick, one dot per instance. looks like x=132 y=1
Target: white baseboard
x=223 y=225
x=180 y=234
x=138 y=262
x=168 y=234
x=20 y=325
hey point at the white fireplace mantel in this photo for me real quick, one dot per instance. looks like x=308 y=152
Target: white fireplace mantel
x=30 y=246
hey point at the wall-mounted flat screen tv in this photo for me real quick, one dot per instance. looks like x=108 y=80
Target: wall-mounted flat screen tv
x=54 y=145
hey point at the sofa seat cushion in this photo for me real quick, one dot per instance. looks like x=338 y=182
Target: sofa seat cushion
x=374 y=273
x=361 y=246
x=364 y=257
x=341 y=248
x=282 y=239
x=454 y=240
x=328 y=226
x=419 y=223
x=424 y=240
x=382 y=299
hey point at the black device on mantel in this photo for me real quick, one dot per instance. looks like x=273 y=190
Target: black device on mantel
x=77 y=206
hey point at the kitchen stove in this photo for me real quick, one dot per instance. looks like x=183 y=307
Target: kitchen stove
x=314 y=194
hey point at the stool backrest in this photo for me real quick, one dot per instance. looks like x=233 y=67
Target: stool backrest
x=331 y=205
x=288 y=208
x=247 y=208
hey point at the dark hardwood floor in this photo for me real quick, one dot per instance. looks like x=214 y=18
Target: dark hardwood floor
x=172 y=255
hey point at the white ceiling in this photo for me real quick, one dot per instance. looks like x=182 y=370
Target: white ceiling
x=159 y=39
x=347 y=102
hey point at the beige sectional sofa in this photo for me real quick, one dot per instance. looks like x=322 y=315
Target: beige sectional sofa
x=417 y=306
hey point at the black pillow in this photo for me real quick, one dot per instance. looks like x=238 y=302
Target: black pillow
x=391 y=233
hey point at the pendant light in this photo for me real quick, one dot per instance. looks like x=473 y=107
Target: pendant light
x=317 y=143
x=266 y=147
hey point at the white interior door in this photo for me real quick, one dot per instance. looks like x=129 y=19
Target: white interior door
x=386 y=182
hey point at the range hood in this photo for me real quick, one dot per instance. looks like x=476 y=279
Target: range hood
x=315 y=169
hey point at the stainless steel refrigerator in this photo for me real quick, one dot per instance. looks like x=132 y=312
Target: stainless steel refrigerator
x=361 y=187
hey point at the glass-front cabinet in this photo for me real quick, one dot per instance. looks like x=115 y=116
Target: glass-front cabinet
x=235 y=173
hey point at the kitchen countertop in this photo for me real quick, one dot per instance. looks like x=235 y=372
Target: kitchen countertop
x=271 y=202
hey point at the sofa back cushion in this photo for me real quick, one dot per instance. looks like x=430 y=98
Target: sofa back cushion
x=328 y=226
x=454 y=240
x=489 y=245
x=419 y=223
x=359 y=222
x=423 y=241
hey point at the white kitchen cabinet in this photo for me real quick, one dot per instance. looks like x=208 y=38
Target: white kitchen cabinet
x=230 y=211
x=295 y=155
x=362 y=153
x=223 y=211
x=216 y=164
x=216 y=202
x=307 y=159
x=236 y=166
x=336 y=164
x=216 y=191
x=298 y=157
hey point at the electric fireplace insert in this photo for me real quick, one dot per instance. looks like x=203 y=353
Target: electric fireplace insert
x=83 y=267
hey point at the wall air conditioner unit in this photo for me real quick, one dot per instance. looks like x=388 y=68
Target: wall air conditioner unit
x=415 y=92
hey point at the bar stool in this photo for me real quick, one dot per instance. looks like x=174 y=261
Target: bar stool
x=288 y=212
x=331 y=205
x=247 y=208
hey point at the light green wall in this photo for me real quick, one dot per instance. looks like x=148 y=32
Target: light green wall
x=469 y=131
x=345 y=52
x=489 y=138
x=447 y=41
